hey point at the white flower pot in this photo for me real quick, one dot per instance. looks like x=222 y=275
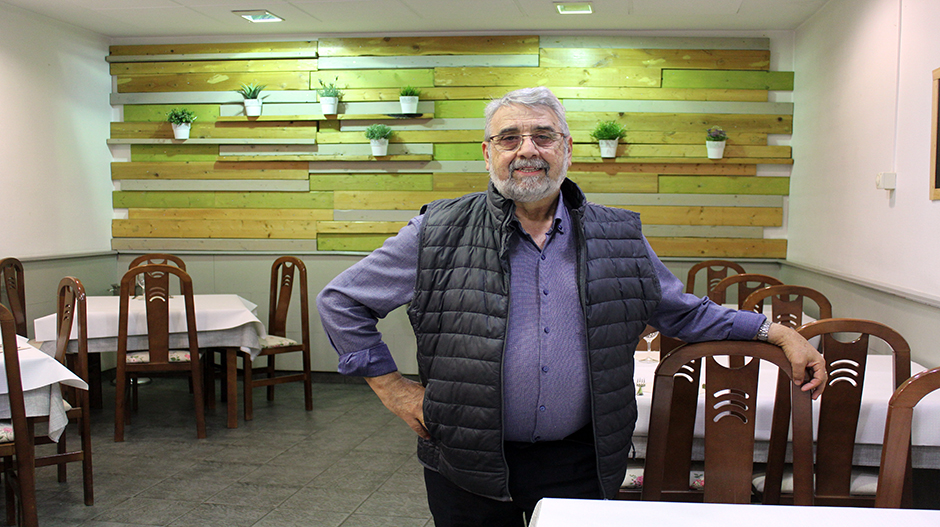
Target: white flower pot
x=252 y=107
x=409 y=104
x=379 y=147
x=716 y=149
x=608 y=147
x=328 y=105
x=181 y=131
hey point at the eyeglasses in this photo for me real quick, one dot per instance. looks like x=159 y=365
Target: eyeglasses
x=512 y=142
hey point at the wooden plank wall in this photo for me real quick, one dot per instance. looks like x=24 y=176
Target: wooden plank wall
x=296 y=180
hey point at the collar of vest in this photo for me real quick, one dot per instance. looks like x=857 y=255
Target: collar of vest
x=503 y=208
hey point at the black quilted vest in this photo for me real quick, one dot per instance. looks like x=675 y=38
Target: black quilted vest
x=460 y=316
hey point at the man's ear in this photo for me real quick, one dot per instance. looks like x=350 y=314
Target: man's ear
x=486 y=156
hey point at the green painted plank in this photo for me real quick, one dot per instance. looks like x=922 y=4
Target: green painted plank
x=751 y=80
x=180 y=152
x=458 y=151
x=372 y=182
x=167 y=245
x=462 y=109
x=351 y=242
x=779 y=186
x=253 y=200
x=205 y=113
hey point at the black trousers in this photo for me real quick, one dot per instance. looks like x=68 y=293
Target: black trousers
x=554 y=469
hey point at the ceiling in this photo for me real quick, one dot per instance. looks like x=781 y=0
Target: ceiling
x=191 y=18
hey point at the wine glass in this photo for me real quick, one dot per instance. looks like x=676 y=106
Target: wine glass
x=649 y=338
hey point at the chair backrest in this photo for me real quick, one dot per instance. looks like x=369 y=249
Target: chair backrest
x=13 y=292
x=895 y=472
x=156 y=297
x=158 y=258
x=71 y=312
x=746 y=283
x=23 y=439
x=283 y=272
x=787 y=303
x=840 y=404
x=715 y=271
x=730 y=410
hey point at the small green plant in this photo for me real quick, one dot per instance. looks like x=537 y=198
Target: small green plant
x=608 y=130
x=181 y=116
x=378 y=131
x=409 y=91
x=329 y=89
x=716 y=134
x=251 y=91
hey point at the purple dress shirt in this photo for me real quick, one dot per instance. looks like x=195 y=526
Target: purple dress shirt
x=545 y=367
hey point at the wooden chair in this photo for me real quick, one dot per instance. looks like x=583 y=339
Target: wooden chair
x=787 y=303
x=283 y=279
x=746 y=283
x=159 y=359
x=71 y=311
x=839 y=408
x=13 y=292
x=715 y=271
x=18 y=452
x=158 y=258
x=729 y=421
x=894 y=476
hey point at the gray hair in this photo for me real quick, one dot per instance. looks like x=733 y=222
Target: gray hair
x=529 y=97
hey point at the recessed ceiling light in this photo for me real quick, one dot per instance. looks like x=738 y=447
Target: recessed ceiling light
x=258 y=16
x=576 y=8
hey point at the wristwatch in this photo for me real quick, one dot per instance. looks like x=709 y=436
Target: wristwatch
x=763 y=333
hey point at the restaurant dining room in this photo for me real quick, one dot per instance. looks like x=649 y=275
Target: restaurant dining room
x=238 y=255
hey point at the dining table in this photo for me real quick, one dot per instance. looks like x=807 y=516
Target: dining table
x=223 y=321
x=41 y=376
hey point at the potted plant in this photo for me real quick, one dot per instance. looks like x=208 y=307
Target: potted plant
x=251 y=94
x=329 y=96
x=182 y=119
x=608 y=134
x=715 y=142
x=378 y=135
x=408 y=97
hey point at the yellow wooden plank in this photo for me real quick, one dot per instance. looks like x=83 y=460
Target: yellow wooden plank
x=351 y=242
x=719 y=247
x=686 y=122
x=428 y=45
x=404 y=136
x=371 y=79
x=671 y=137
x=210 y=82
x=184 y=228
x=713 y=59
x=360 y=227
x=617 y=167
x=230 y=214
x=457 y=93
x=372 y=200
x=222 y=48
x=218 y=170
x=685 y=151
x=623 y=182
x=218 y=130
x=378 y=181
x=690 y=160
x=325 y=157
x=213 y=66
x=461 y=182
x=728 y=216
x=634 y=77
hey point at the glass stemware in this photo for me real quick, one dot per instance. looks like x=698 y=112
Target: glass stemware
x=649 y=338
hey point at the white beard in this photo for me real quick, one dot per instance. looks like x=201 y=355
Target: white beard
x=529 y=189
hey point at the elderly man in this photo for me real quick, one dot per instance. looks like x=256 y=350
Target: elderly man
x=527 y=303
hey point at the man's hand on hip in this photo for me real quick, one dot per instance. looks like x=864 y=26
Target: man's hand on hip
x=405 y=398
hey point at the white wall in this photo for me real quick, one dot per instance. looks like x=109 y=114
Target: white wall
x=55 y=171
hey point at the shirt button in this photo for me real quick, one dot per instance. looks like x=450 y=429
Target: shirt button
x=545 y=292
x=543 y=256
x=541 y=408
x=547 y=330
x=545 y=369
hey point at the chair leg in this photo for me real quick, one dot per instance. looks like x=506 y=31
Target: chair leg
x=120 y=399
x=270 y=369
x=208 y=371
x=308 y=382
x=196 y=379
x=87 y=472
x=247 y=379
x=8 y=492
x=61 y=449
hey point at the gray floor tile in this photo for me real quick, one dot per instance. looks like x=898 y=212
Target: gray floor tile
x=208 y=514
x=301 y=518
x=364 y=520
x=326 y=499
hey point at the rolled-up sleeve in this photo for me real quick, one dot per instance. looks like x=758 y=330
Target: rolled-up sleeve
x=351 y=305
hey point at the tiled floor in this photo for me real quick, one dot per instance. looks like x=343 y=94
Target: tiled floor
x=348 y=463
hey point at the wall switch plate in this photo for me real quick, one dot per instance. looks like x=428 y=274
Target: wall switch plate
x=886 y=180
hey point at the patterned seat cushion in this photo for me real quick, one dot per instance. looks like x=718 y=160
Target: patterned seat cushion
x=633 y=479
x=144 y=356
x=273 y=341
x=6 y=431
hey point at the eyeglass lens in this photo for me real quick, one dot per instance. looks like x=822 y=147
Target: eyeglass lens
x=513 y=141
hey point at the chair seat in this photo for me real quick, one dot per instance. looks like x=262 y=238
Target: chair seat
x=137 y=357
x=274 y=341
x=863 y=482
x=633 y=479
x=6 y=431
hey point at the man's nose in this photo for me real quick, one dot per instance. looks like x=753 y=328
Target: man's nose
x=527 y=147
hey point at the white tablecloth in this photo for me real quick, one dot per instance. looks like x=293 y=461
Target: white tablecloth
x=221 y=321
x=41 y=375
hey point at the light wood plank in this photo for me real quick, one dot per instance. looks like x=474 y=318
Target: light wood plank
x=213 y=185
x=623 y=182
x=686 y=151
x=157 y=113
x=268 y=229
x=652 y=42
x=768 y=124
x=719 y=248
x=758 y=80
x=447 y=93
x=231 y=214
x=616 y=167
x=351 y=242
x=360 y=227
x=223 y=200
x=404 y=136
x=690 y=160
x=673 y=107
x=631 y=77
x=211 y=81
x=329 y=157
x=371 y=182
x=307 y=46
x=688 y=200
x=174 y=152
x=214 y=66
x=390 y=78
x=429 y=45
x=175 y=245
x=676 y=138
x=701 y=231
x=460 y=182
x=178 y=98
x=217 y=170
x=712 y=59
x=429 y=61
x=729 y=216
x=390 y=200
x=281 y=130
x=724 y=185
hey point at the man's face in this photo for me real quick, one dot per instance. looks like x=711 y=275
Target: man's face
x=529 y=173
